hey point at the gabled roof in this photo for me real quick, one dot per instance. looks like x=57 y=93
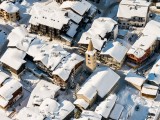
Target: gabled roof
x=50 y=16
x=103 y=79
x=97 y=32
x=13 y=55
x=63 y=70
x=9 y=7
x=42 y=91
x=20 y=38
x=106 y=106
x=78 y=6
x=139 y=48
x=7 y=91
x=115 y=50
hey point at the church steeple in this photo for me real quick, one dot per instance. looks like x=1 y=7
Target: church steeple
x=91 y=63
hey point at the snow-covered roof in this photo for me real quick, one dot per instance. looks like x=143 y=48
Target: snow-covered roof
x=20 y=38
x=90 y=115
x=139 y=48
x=65 y=109
x=152 y=27
x=7 y=91
x=79 y=7
x=42 y=91
x=129 y=11
x=49 y=107
x=47 y=53
x=105 y=107
x=116 y=112
x=154 y=74
x=136 y=2
x=74 y=17
x=111 y=49
x=9 y=7
x=29 y=114
x=72 y=30
x=3 y=77
x=48 y=15
x=135 y=79
x=13 y=55
x=98 y=30
x=67 y=64
x=88 y=91
x=149 y=89
x=103 y=79
x=82 y=103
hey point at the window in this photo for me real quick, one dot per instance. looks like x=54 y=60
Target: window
x=88 y=55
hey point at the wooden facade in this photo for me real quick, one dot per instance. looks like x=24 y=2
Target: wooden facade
x=57 y=80
x=111 y=62
x=148 y=53
x=9 y=16
x=16 y=95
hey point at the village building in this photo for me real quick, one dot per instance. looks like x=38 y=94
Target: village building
x=133 y=13
x=135 y=80
x=149 y=91
x=67 y=69
x=89 y=115
x=98 y=85
x=101 y=30
x=154 y=75
x=105 y=107
x=141 y=49
x=9 y=11
x=113 y=54
x=10 y=92
x=59 y=64
x=16 y=56
x=42 y=91
x=91 y=58
x=59 y=22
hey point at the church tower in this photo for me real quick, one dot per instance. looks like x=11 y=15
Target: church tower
x=90 y=54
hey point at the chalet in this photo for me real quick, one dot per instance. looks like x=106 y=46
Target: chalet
x=101 y=30
x=98 y=85
x=105 y=107
x=9 y=11
x=67 y=70
x=58 y=21
x=133 y=13
x=42 y=91
x=20 y=38
x=149 y=91
x=135 y=80
x=154 y=75
x=113 y=54
x=10 y=92
x=55 y=61
x=16 y=56
x=141 y=49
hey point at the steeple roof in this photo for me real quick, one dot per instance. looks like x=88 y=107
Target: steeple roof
x=90 y=46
